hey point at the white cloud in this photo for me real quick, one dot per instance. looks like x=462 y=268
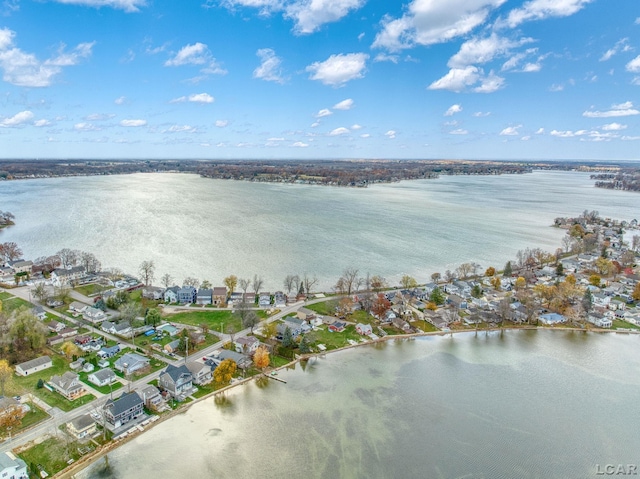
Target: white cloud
x=126 y=5
x=391 y=134
x=133 y=123
x=270 y=66
x=531 y=67
x=365 y=135
x=541 y=9
x=513 y=62
x=356 y=127
x=17 y=119
x=458 y=131
x=453 y=109
x=99 y=116
x=634 y=65
x=337 y=70
x=540 y=131
x=24 y=69
x=384 y=57
x=177 y=129
x=556 y=87
x=315 y=124
x=457 y=79
x=197 y=54
x=620 y=46
x=86 y=127
x=510 y=131
x=41 y=123
x=324 y=112
x=614 y=127
x=221 y=123
x=480 y=114
x=483 y=50
x=310 y=15
x=120 y=100
x=300 y=144
x=344 y=105
x=568 y=133
x=622 y=109
x=194 y=98
x=526 y=138
x=430 y=21
x=339 y=131
x=490 y=83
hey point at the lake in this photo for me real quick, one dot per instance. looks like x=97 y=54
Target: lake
x=209 y=229
x=502 y=405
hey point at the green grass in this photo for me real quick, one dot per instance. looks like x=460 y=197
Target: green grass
x=13 y=303
x=333 y=340
x=52 y=455
x=4 y=296
x=103 y=389
x=326 y=308
x=28 y=383
x=361 y=316
x=90 y=289
x=213 y=319
x=55 y=399
x=619 y=323
x=34 y=416
x=279 y=361
x=425 y=326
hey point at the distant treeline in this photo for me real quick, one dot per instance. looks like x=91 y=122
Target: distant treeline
x=628 y=180
x=358 y=173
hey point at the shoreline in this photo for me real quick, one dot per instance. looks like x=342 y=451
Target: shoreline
x=98 y=453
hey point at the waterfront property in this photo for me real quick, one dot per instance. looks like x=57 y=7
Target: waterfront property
x=130 y=363
x=126 y=408
x=177 y=381
x=82 y=426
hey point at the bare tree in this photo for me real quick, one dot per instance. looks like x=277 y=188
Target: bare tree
x=289 y=282
x=166 y=280
x=89 y=262
x=147 y=271
x=350 y=276
x=190 y=281
x=464 y=270
x=435 y=277
x=449 y=276
x=309 y=283
x=635 y=242
x=244 y=285
x=257 y=283
x=10 y=251
x=68 y=257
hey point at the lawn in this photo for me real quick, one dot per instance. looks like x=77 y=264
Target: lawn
x=333 y=340
x=26 y=384
x=326 y=308
x=90 y=289
x=4 y=296
x=619 y=323
x=213 y=319
x=103 y=389
x=11 y=304
x=425 y=326
x=52 y=455
x=34 y=416
x=361 y=316
x=55 y=399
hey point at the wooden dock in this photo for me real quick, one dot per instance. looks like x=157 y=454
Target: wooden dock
x=276 y=378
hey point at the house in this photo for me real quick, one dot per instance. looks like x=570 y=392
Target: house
x=235 y=298
x=187 y=295
x=264 y=300
x=62 y=276
x=108 y=326
x=109 y=352
x=599 y=320
x=82 y=426
x=126 y=408
x=364 y=329
x=122 y=328
x=177 y=381
x=171 y=294
x=246 y=345
x=55 y=326
x=241 y=360
x=337 y=326
x=204 y=296
x=68 y=332
x=279 y=299
x=153 y=293
x=172 y=347
x=167 y=328
x=249 y=298
x=401 y=324
x=88 y=367
x=129 y=363
x=93 y=315
x=77 y=364
x=201 y=373
x=57 y=339
x=33 y=366
x=151 y=397
x=39 y=312
x=219 y=295
x=551 y=318
x=68 y=385
x=102 y=377
x=77 y=307
x=12 y=467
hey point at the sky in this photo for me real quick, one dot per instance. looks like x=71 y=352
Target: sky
x=314 y=79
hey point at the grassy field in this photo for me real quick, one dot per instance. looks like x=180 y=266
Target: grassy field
x=90 y=289
x=34 y=416
x=28 y=383
x=333 y=340
x=11 y=304
x=213 y=319
x=52 y=455
x=619 y=323
x=326 y=308
x=425 y=326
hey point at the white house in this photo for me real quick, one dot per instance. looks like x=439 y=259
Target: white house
x=12 y=467
x=33 y=366
x=102 y=377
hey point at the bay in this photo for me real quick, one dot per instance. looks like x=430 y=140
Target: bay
x=511 y=404
x=209 y=229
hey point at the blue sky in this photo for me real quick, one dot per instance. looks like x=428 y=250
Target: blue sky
x=233 y=79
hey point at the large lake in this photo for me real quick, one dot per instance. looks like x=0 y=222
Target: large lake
x=209 y=229
x=516 y=404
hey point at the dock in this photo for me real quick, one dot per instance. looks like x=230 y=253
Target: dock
x=275 y=378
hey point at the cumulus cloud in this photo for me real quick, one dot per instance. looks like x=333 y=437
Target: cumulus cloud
x=339 y=131
x=356 y=127
x=133 y=123
x=17 y=119
x=460 y=79
x=120 y=100
x=510 y=131
x=194 y=98
x=324 y=112
x=622 y=109
x=385 y=57
x=634 y=65
x=344 y=105
x=126 y=5
x=221 y=123
x=365 y=135
x=459 y=131
x=25 y=69
x=270 y=66
x=620 y=46
x=541 y=9
x=42 y=122
x=540 y=131
x=614 y=127
x=300 y=144
x=196 y=54
x=337 y=70
x=483 y=50
x=568 y=133
x=391 y=134
x=427 y=22
x=310 y=15
x=453 y=109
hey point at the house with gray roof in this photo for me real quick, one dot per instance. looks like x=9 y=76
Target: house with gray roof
x=177 y=381
x=187 y=295
x=68 y=385
x=205 y=296
x=109 y=352
x=131 y=362
x=151 y=397
x=102 y=377
x=12 y=467
x=34 y=366
x=201 y=373
x=243 y=361
x=171 y=294
x=82 y=426
x=93 y=315
x=126 y=408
